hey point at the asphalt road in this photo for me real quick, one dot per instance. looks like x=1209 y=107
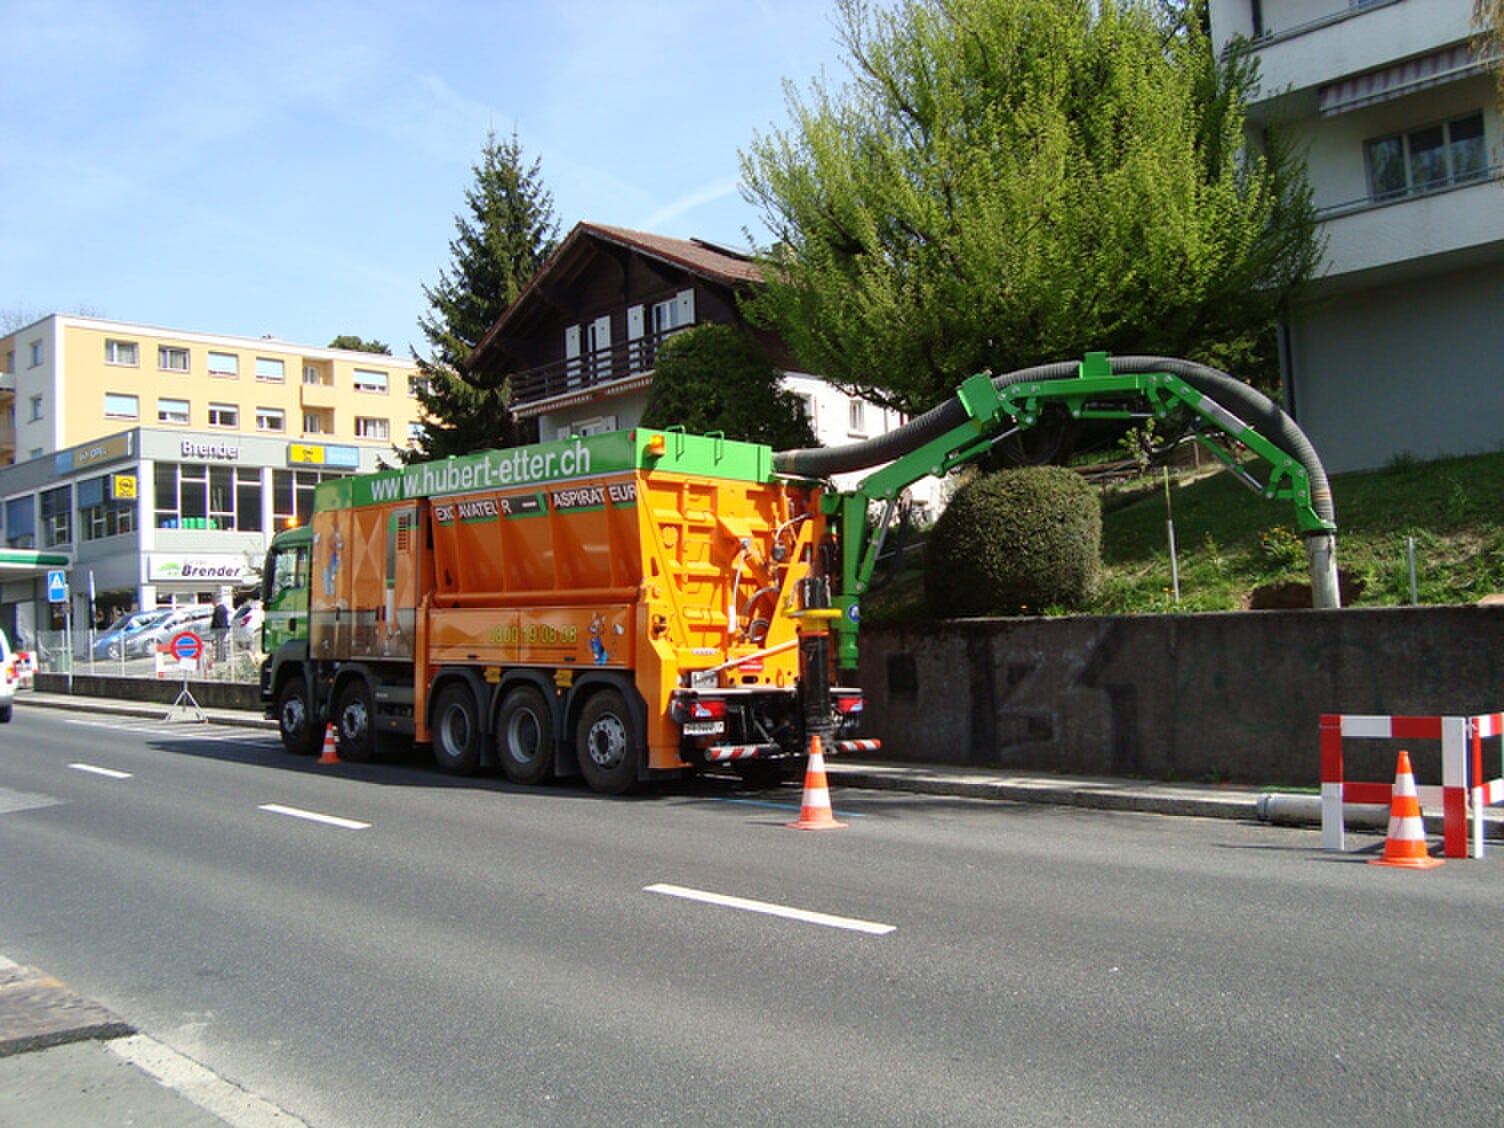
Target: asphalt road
x=464 y=953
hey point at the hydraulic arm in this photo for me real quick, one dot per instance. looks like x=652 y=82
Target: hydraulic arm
x=1224 y=415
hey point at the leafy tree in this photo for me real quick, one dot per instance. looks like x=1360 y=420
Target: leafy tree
x=1007 y=182
x=358 y=344
x=510 y=229
x=716 y=378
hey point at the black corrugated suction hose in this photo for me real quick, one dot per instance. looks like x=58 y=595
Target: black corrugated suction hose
x=1247 y=403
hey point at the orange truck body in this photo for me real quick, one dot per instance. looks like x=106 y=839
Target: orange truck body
x=665 y=567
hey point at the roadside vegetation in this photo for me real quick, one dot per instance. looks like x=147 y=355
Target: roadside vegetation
x=1232 y=542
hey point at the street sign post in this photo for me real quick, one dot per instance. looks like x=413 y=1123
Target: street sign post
x=186 y=648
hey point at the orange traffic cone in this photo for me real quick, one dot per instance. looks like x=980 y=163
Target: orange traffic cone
x=330 y=756
x=1405 y=844
x=815 y=812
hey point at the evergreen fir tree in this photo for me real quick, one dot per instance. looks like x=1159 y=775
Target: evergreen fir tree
x=509 y=229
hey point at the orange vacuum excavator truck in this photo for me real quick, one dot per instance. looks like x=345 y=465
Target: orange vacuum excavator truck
x=615 y=606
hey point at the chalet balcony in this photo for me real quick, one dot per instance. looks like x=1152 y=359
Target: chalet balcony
x=619 y=368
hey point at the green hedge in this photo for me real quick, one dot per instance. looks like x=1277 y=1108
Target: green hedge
x=1016 y=542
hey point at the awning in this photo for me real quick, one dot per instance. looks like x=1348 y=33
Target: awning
x=20 y=563
x=1458 y=61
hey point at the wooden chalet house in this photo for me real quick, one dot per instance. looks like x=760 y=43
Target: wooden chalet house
x=580 y=342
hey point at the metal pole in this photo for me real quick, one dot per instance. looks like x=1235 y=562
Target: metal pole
x=1410 y=556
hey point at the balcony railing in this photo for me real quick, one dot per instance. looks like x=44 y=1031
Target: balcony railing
x=575 y=374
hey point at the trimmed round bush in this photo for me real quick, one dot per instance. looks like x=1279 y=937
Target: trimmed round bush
x=1014 y=543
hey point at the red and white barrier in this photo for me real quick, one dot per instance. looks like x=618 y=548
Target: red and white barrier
x=1461 y=760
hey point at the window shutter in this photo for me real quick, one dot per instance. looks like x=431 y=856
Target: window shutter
x=685 y=300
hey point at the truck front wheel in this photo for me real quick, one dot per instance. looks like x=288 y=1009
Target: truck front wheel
x=300 y=735
x=352 y=721
x=456 y=730
x=525 y=736
x=603 y=738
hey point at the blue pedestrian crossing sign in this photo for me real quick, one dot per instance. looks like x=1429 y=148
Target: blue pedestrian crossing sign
x=57 y=586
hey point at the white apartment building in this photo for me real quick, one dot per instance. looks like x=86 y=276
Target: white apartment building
x=1401 y=349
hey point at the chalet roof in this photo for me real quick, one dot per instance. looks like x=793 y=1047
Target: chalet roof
x=705 y=260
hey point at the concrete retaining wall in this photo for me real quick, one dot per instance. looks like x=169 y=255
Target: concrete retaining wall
x=209 y=695
x=1233 y=697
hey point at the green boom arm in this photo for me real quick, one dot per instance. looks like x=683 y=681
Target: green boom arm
x=1096 y=392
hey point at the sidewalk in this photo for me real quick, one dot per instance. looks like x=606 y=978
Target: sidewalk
x=68 y=1063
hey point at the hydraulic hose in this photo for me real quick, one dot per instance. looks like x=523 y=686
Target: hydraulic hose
x=1249 y=404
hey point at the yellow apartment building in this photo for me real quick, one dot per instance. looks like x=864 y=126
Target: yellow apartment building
x=151 y=465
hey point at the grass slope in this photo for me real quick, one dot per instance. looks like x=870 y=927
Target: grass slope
x=1231 y=540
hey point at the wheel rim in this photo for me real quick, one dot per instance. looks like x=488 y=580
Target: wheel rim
x=524 y=737
x=294 y=716
x=607 y=742
x=354 y=721
x=455 y=731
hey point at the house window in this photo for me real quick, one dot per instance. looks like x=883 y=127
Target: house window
x=36 y=408
x=172 y=411
x=57 y=517
x=416 y=433
x=270 y=371
x=99 y=514
x=224 y=365
x=416 y=384
x=224 y=415
x=121 y=352
x=35 y=352
x=118 y=406
x=366 y=428
x=311 y=374
x=313 y=423
x=856 y=417
x=807 y=406
x=1424 y=160
x=172 y=359
x=271 y=419
x=370 y=380
x=676 y=313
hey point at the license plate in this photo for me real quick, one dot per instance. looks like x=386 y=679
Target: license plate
x=704 y=728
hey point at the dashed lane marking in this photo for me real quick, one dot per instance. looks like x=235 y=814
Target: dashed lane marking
x=95 y=769
x=871 y=928
x=314 y=816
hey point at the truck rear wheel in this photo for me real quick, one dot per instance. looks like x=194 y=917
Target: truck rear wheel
x=456 y=730
x=525 y=736
x=352 y=721
x=603 y=738
x=295 y=722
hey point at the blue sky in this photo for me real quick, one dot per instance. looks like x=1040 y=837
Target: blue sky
x=295 y=169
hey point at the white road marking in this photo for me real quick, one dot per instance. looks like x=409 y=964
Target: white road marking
x=872 y=928
x=108 y=773
x=206 y=1089
x=314 y=816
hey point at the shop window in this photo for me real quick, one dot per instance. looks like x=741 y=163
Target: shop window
x=194 y=495
x=99 y=514
x=57 y=517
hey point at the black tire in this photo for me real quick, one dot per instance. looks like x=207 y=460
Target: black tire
x=608 y=748
x=763 y=773
x=295 y=720
x=525 y=736
x=456 y=730
x=5 y=714
x=353 y=722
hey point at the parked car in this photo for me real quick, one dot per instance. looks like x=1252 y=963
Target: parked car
x=112 y=643
x=7 y=679
x=187 y=617
x=245 y=627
